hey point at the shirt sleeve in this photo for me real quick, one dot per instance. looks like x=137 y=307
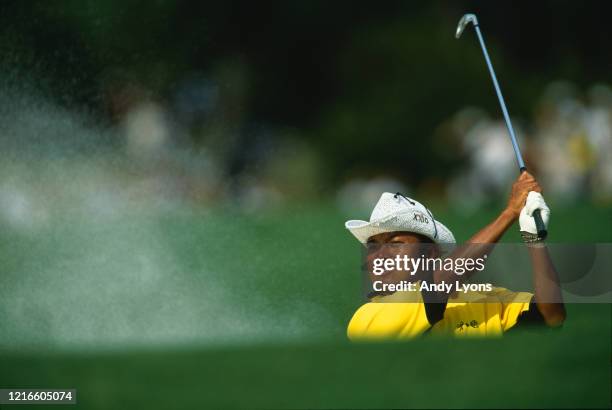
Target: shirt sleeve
x=531 y=316
x=513 y=305
x=358 y=326
x=388 y=321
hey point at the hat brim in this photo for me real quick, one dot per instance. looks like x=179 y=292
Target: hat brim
x=399 y=222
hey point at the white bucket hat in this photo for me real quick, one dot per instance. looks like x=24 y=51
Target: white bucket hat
x=395 y=212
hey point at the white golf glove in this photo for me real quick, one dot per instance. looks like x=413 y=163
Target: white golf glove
x=534 y=201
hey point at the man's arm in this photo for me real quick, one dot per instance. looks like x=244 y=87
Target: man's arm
x=548 y=297
x=484 y=241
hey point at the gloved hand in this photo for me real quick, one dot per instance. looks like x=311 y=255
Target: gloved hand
x=534 y=201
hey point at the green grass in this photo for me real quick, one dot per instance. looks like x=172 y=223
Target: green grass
x=267 y=299
x=526 y=370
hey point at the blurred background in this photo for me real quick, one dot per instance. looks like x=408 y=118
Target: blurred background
x=174 y=179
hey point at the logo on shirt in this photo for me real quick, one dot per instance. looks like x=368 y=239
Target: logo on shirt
x=461 y=324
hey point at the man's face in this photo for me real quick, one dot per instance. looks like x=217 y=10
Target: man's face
x=390 y=245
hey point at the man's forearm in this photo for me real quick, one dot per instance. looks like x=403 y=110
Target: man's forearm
x=493 y=232
x=548 y=296
x=482 y=243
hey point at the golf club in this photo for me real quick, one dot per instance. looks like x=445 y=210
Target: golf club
x=471 y=18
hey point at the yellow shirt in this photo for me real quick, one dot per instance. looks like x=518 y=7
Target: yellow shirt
x=402 y=315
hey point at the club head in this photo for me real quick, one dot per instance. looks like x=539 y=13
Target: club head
x=465 y=20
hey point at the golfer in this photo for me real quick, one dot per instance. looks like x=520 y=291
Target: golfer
x=402 y=315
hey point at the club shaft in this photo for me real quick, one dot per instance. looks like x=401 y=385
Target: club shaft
x=517 y=151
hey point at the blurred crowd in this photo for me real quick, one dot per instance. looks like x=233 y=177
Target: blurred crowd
x=567 y=145
x=204 y=128
x=198 y=148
